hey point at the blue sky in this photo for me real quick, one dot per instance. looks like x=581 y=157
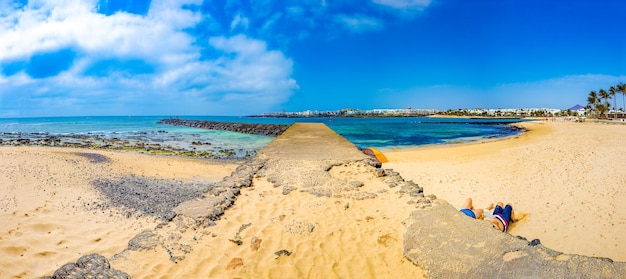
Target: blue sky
x=231 y=57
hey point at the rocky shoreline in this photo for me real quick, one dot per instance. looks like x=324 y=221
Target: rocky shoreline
x=271 y=130
x=157 y=142
x=196 y=149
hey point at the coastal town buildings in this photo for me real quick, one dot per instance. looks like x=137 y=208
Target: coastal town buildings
x=577 y=110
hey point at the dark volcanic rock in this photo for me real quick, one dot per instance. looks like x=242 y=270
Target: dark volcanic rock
x=145 y=240
x=89 y=266
x=282 y=252
x=221 y=196
x=271 y=130
x=149 y=196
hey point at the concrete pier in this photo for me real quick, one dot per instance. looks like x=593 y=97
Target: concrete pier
x=311 y=141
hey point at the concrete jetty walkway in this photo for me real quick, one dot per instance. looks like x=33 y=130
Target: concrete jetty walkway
x=311 y=141
x=300 y=142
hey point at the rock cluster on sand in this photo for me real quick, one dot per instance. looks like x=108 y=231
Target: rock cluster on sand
x=160 y=197
x=148 y=195
x=313 y=177
x=272 y=130
x=89 y=266
x=211 y=206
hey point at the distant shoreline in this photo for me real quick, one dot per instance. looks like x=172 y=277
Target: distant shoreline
x=160 y=141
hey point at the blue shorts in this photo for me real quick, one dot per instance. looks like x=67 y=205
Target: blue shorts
x=468 y=212
x=503 y=215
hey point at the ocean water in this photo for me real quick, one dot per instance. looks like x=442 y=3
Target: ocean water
x=363 y=132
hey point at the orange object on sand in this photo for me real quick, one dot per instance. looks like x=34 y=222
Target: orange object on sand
x=373 y=152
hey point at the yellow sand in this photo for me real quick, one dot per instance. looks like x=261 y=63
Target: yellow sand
x=567 y=179
x=43 y=193
x=328 y=237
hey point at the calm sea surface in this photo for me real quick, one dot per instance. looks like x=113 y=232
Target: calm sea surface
x=374 y=132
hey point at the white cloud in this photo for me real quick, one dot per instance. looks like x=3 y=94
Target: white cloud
x=359 y=23
x=253 y=71
x=239 y=22
x=171 y=13
x=404 y=4
x=247 y=74
x=46 y=27
x=241 y=76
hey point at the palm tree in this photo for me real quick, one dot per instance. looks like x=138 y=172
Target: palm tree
x=622 y=88
x=605 y=96
x=612 y=93
x=602 y=108
x=593 y=100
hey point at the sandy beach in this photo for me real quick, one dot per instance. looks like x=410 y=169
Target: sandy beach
x=51 y=214
x=304 y=219
x=566 y=180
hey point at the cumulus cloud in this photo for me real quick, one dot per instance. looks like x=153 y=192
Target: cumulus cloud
x=197 y=57
x=66 y=58
x=247 y=72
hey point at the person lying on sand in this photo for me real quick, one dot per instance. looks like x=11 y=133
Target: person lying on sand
x=468 y=209
x=501 y=217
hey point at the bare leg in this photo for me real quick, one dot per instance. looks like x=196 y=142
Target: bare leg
x=467 y=204
x=497 y=224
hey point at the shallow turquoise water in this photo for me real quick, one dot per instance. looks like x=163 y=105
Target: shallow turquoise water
x=376 y=132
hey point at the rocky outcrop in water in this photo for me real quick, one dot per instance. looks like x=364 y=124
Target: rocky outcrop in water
x=272 y=130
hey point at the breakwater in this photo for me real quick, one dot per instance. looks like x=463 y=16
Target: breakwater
x=272 y=130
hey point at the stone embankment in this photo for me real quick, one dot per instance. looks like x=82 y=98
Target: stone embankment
x=272 y=130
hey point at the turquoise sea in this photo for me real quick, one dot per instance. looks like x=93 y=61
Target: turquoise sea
x=363 y=132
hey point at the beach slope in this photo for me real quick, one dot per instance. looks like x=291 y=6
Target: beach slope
x=565 y=179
